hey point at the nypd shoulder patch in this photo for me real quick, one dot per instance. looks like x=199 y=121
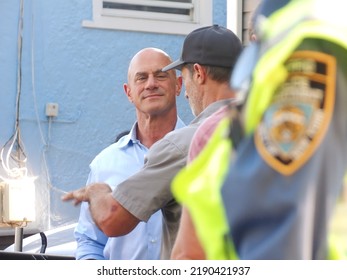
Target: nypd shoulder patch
x=301 y=109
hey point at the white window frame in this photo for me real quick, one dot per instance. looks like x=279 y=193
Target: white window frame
x=202 y=15
x=234 y=16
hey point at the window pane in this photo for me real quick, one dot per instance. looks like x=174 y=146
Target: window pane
x=145 y=8
x=173 y=16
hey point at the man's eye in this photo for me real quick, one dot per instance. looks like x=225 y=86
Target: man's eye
x=161 y=77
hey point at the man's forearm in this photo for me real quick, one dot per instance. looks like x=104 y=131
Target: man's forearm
x=100 y=202
x=108 y=214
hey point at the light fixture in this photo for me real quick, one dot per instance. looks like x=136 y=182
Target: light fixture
x=18 y=200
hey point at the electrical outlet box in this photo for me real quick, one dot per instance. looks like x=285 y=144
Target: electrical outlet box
x=52 y=109
x=18 y=201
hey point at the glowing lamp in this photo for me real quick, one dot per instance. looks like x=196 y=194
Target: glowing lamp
x=18 y=197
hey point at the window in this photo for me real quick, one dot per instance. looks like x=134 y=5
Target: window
x=170 y=16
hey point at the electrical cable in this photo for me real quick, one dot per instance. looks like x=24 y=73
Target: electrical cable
x=14 y=141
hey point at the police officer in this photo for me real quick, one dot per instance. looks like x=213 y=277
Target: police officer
x=286 y=174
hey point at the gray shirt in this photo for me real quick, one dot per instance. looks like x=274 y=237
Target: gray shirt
x=150 y=189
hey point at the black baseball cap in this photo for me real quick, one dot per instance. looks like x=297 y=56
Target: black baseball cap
x=211 y=45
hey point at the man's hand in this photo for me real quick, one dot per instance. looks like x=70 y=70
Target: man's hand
x=78 y=196
x=110 y=216
x=84 y=194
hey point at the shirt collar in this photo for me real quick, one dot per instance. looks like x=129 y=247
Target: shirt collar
x=132 y=136
x=210 y=109
x=129 y=138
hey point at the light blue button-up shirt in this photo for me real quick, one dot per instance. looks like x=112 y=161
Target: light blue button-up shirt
x=113 y=165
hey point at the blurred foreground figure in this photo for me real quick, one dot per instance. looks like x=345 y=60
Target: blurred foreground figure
x=272 y=195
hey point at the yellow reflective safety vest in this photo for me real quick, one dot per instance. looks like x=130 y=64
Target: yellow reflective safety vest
x=198 y=186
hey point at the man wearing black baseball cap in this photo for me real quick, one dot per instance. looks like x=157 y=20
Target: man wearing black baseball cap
x=207 y=60
x=208 y=57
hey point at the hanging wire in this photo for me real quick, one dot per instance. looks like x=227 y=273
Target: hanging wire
x=12 y=151
x=12 y=156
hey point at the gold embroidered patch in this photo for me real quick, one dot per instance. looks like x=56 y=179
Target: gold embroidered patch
x=301 y=109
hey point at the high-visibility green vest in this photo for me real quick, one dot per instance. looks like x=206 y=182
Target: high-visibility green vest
x=198 y=185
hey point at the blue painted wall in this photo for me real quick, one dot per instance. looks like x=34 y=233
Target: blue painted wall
x=83 y=71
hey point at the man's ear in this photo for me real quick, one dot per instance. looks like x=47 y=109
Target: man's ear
x=127 y=92
x=178 y=85
x=199 y=73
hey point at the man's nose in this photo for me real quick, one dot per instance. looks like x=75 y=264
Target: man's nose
x=151 y=82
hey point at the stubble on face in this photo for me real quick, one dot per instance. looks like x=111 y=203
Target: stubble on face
x=192 y=92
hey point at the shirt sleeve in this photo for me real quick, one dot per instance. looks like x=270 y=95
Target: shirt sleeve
x=90 y=240
x=150 y=189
